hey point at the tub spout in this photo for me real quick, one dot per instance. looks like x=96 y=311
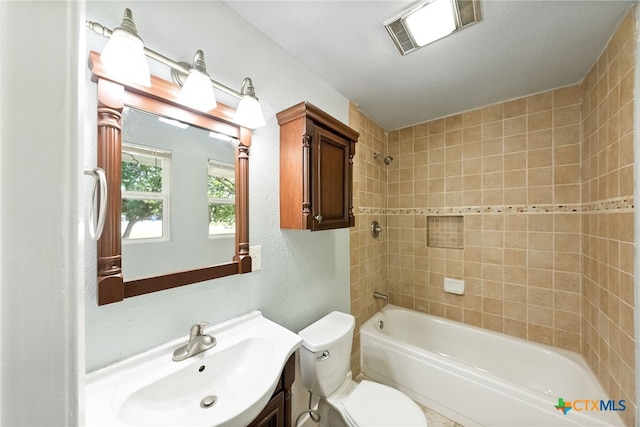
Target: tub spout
x=378 y=295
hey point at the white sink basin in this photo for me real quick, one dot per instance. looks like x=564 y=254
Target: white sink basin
x=240 y=374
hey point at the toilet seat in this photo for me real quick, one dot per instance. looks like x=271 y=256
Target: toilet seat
x=373 y=404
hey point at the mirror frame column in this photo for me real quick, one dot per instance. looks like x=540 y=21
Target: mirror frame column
x=242 y=202
x=110 y=106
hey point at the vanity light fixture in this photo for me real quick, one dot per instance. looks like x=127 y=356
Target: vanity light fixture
x=249 y=110
x=123 y=56
x=248 y=114
x=197 y=91
x=429 y=20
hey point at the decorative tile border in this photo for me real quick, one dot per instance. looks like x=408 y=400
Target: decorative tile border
x=620 y=203
x=372 y=211
x=615 y=204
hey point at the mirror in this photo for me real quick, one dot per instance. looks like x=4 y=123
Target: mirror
x=178 y=195
x=177 y=207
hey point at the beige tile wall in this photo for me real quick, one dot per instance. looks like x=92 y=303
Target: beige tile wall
x=368 y=255
x=512 y=170
x=445 y=231
x=545 y=186
x=607 y=222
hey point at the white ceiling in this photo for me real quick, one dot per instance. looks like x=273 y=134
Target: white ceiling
x=520 y=47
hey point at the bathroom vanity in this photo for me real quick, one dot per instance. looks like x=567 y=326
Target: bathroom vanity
x=277 y=413
x=316 y=169
x=244 y=379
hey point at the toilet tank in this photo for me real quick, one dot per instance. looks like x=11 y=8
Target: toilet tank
x=325 y=355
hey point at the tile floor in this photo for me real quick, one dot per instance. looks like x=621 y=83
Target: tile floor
x=436 y=420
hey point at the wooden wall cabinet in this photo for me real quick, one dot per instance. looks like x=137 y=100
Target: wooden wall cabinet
x=277 y=413
x=316 y=169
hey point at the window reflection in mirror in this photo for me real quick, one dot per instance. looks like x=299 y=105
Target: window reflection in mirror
x=221 y=190
x=145 y=192
x=178 y=191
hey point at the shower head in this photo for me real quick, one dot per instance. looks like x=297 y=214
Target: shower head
x=386 y=159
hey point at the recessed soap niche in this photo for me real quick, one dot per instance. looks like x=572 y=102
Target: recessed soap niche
x=445 y=232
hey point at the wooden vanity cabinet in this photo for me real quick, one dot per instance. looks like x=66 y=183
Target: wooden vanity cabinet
x=316 y=169
x=277 y=413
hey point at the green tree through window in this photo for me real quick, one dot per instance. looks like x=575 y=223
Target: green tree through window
x=221 y=191
x=144 y=184
x=142 y=178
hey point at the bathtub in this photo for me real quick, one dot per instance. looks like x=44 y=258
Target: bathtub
x=478 y=377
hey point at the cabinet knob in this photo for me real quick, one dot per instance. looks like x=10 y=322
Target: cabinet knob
x=318 y=218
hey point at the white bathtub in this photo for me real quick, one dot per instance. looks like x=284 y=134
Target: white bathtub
x=479 y=377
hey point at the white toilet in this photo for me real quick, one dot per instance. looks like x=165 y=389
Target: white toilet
x=325 y=357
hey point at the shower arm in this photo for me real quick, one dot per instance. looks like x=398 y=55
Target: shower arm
x=386 y=159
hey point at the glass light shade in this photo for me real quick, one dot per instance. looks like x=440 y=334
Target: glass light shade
x=249 y=113
x=197 y=92
x=431 y=22
x=123 y=57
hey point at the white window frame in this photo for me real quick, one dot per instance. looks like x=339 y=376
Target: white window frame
x=223 y=169
x=165 y=196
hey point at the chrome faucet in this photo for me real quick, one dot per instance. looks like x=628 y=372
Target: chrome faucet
x=198 y=342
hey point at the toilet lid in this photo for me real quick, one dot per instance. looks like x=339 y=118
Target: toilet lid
x=373 y=404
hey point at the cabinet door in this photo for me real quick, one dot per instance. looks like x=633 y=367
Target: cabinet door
x=331 y=180
x=273 y=414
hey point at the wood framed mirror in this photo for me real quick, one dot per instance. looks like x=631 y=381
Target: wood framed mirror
x=159 y=99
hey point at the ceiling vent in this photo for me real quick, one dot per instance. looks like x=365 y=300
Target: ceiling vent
x=431 y=20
